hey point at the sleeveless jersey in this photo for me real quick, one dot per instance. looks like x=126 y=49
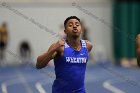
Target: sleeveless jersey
x=70 y=70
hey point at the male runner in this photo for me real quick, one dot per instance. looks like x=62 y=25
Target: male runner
x=70 y=58
x=138 y=49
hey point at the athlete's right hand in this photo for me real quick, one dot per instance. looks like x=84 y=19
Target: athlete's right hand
x=58 y=45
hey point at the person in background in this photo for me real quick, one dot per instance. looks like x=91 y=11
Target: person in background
x=25 y=52
x=3 y=40
x=138 y=49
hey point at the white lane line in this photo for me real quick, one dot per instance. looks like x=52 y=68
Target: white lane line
x=4 y=88
x=111 y=88
x=40 y=88
x=25 y=83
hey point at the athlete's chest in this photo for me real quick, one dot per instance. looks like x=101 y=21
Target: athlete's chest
x=72 y=56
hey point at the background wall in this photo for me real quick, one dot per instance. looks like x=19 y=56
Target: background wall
x=39 y=23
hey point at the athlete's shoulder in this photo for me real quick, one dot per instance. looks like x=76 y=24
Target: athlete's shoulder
x=89 y=45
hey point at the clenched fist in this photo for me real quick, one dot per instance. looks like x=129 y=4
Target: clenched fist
x=58 y=45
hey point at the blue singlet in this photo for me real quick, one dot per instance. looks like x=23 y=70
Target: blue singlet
x=70 y=70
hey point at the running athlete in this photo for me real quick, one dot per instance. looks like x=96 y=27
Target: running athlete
x=138 y=49
x=70 y=58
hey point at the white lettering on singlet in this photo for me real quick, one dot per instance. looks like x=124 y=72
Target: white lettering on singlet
x=76 y=60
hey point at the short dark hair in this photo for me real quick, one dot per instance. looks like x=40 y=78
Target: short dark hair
x=71 y=17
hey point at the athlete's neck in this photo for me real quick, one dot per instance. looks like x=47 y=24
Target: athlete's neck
x=73 y=42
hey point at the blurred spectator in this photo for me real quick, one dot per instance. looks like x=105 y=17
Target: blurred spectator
x=85 y=31
x=138 y=49
x=85 y=36
x=3 y=40
x=25 y=52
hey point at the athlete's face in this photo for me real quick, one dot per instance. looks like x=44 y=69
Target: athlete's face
x=73 y=28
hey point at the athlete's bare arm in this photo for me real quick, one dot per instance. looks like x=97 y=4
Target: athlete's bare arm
x=54 y=51
x=89 y=45
x=138 y=49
